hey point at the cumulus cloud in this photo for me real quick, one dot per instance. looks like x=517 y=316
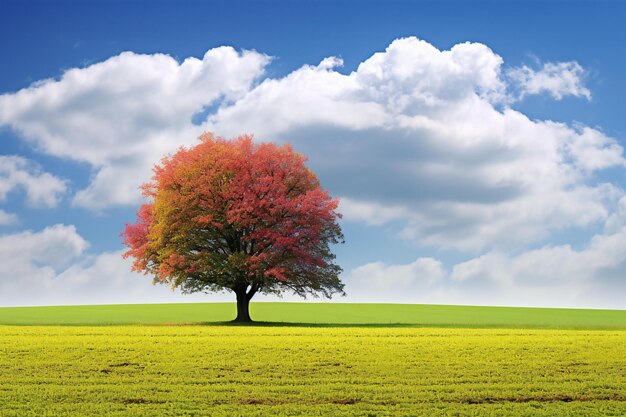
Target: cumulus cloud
x=106 y=278
x=7 y=218
x=55 y=246
x=42 y=188
x=415 y=135
x=125 y=113
x=617 y=219
x=370 y=213
x=377 y=281
x=592 y=276
x=411 y=78
x=559 y=79
x=557 y=276
x=31 y=260
x=423 y=137
x=52 y=267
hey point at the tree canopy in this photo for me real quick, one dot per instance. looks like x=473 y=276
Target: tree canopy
x=240 y=216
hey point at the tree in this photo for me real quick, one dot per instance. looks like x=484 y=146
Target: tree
x=239 y=216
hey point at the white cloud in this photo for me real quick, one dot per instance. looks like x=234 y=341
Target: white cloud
x=55 y=246
x=370 y=213
x=410 y=79
x=7 y=218
x=31 y=260
x=378 y=281
x=617 y=219
x=552 y=276
x=125 y=113
x=52 y=267
x=550 y=265
x=415 y=135
x=42 y=188
x=555 y=275
x=107 y=279
x=559 y=79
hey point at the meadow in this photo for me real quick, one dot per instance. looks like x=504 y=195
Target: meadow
x=319 y=314
x=462 y=367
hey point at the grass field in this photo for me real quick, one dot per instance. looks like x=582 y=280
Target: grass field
x=261 y=371
x=320 y=314
x=431 y=360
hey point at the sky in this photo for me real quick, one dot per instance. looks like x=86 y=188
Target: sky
x=476 y=147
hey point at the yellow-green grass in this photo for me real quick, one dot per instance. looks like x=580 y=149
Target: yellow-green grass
x=334 y=314
x=262 y=371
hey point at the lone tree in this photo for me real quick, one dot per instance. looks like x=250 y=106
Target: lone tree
x=234 y=215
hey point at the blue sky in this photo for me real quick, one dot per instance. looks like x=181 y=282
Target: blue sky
x=477 y=155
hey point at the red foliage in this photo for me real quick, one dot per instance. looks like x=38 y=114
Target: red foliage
x=229 y=212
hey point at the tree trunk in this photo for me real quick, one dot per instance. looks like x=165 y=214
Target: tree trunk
x=243 y=301
x=243 y=307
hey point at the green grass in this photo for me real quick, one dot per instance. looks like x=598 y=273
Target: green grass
x=321 y=371
x=313 y=359
x=320 y=314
